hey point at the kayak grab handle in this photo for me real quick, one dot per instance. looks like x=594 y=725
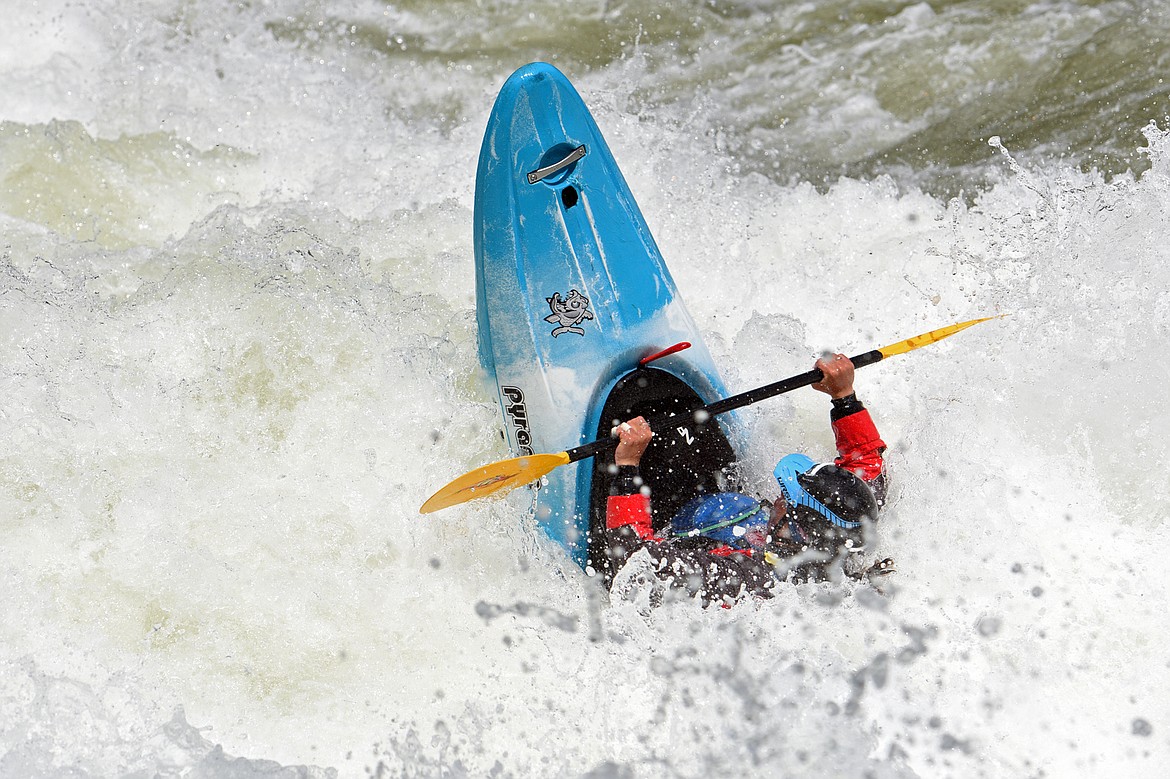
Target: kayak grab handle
x=543 y=173
x=678 y=347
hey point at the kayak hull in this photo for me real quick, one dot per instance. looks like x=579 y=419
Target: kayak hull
x=571 y=293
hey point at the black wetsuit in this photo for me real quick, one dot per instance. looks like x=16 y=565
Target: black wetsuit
x=705 y=568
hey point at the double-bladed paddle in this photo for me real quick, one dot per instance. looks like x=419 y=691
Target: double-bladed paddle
x=506 y=475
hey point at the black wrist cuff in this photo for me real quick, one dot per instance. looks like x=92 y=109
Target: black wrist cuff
x=627 y=481
x=843 y=407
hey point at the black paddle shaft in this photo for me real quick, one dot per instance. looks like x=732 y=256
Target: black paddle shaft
x=723 y=406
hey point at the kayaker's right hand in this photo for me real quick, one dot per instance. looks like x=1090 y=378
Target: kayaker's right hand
x=838 y=370
x=633 y=438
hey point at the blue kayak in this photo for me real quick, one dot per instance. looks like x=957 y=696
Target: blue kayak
x=571 y=294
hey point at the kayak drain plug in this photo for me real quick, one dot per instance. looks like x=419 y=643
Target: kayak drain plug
x=569 y=197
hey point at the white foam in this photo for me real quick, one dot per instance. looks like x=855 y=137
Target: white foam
x=217 y=431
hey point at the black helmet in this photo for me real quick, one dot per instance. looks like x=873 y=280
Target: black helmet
x=830 y=491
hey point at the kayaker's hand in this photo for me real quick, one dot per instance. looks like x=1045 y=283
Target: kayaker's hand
x=634 y=436
x=838 y=381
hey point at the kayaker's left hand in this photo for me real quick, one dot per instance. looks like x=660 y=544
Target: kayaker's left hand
x=633 y=438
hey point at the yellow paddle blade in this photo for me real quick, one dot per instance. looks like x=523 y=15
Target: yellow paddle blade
x=496 y=477
x=926 y=339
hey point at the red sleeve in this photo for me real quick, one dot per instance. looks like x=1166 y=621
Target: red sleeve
x=859 y=446
x=632 y=510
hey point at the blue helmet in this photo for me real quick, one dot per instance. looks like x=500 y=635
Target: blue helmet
x=726 y=517
x=829 y=490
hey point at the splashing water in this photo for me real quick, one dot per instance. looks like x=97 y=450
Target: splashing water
x=237 y=352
